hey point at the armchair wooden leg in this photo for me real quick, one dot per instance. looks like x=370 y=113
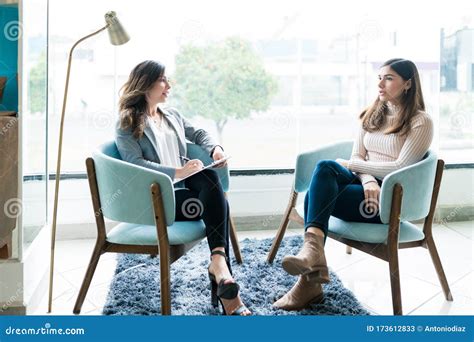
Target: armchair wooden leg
x=392 y=248
x=98 y=249
x=164 y=249
x=439 y=268
x=395 y=283
x=165 y=284
x=235 y=241
x=234 y=238
x=282 y=229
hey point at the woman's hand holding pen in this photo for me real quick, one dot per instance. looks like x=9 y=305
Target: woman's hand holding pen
x=190 y=167
x=218 y=154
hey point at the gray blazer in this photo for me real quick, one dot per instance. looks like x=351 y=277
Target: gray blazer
x=143 y=151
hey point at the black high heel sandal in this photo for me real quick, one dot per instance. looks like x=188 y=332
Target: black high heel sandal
x=223 y=290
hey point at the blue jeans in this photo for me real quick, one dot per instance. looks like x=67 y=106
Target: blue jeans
x=336 y=191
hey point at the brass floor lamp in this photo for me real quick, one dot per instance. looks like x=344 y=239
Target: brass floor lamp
x=117 y=36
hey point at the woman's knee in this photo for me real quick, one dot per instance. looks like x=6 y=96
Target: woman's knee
x=327 y=163
x=325 y=167
x=210 y=178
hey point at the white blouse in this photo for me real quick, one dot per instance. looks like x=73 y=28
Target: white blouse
x=167 y=143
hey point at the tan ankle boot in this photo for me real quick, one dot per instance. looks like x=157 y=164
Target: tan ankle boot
x=310 y=261
x=300 y=296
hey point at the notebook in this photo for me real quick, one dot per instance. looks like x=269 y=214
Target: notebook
x=210 y=166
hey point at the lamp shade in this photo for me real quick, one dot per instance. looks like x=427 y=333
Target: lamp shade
x=117 y=33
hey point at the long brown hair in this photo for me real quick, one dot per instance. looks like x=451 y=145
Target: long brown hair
x=373 y=118
x=132 y=104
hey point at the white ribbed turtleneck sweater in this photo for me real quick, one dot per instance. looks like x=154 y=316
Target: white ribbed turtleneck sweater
x=376 y=154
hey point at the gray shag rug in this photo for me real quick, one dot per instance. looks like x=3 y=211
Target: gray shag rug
x=135 y=287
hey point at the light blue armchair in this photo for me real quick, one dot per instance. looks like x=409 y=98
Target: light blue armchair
x=407 y=194
x=142 y=200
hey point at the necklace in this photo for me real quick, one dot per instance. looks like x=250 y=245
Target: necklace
x=157 y=119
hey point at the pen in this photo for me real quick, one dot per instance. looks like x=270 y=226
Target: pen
x=184 y=158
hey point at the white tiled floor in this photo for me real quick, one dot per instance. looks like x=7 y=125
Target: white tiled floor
x=367 y=277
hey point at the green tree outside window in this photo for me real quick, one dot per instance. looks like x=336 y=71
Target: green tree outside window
x=222 y=80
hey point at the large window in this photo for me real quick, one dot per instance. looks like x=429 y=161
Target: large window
x=296 y=74
x=456 y=96
x=33 y=114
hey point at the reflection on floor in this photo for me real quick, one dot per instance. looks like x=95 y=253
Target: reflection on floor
x=367 y=277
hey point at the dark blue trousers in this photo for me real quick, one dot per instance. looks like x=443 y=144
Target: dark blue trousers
x=336 y=191
x=203 y=198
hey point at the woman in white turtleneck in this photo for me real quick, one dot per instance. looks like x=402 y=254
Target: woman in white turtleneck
x=395 y=132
